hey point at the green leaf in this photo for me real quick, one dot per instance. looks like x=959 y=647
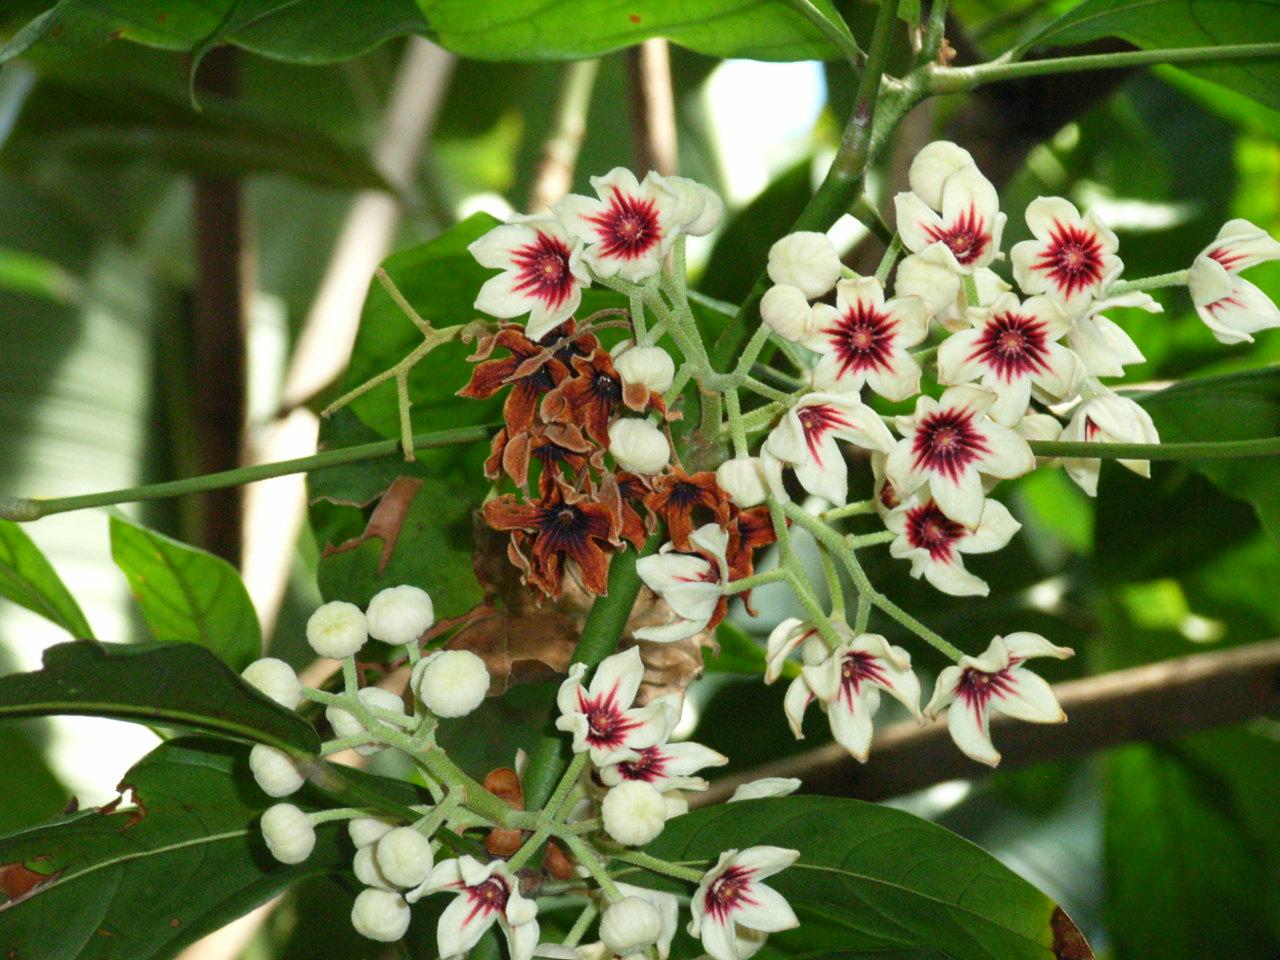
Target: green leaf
x=318 y=31
x=186 y=594
x=536 y=30
x=28 y=579
x=1236 y=406
x=738 y=652
x=36 y=276
x=42 y=795
x=880 y=882
x=185 y=858
x=167 y=684
x=1163 y=24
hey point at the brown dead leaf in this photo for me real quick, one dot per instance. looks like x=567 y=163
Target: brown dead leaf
x=385 y=521
x=17 y=880
x=1068 y=942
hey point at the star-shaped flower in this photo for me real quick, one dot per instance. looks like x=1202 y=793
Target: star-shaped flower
x=692 y=584
x=935 y=544
x=1101 y=344
x=1107 y=418
x=1072 y=258
x=681 y=499
x=601 y=717
x=542 y=273
x=486 y=894
x=665 y=766
x=731 y=896
x=629 y=229
x=1230 y=306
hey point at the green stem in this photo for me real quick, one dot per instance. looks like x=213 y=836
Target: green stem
x=934 y=31
x=870 y=539
x=530 y=847
x=24 y=509
x=850 y=510
x=834 y=587
x=1178 y=278
x=567 y=781
x=736 y=430
x=865 y=213
x=817 y=616
x=1204 y=450
x=579 y=928
x=959 y=79
x=756 y=580
x=657 y=865
x=842 y=39
x=586 y=856
x=889 y=259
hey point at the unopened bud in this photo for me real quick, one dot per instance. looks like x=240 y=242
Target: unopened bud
x=380 y=915
x=806 y=260
x=634 y=813
x=638 y=446
x=337 y=629
x=451 y=683
x=288 y=832
x=274 y=771
x=276 y=679
x=400 y=614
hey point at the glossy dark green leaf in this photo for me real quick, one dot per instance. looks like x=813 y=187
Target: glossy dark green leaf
x=166 y=684
x=184 y=857
x=534 y=30
x=1163 y=24
x=42 y=795
x=28 y=579
x=186 y=594
x=884 y=882
x=738 y=652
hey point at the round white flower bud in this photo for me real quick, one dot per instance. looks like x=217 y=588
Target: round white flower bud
x=630 y=925
x=274 y=771
x=932 y=167
x=651 y=367
x=288 y=833
x=638 y=446
x=404 y=857
x=785 y=310
x=400 y=614
x=276 y=679
x=806 y=260
x=634 y=812
x=743 y=480
x=699 y=208
x=451 y=683
x=337 y=629
x=367 y=830
x=366 y=869
x=380 y=915
x=345 y=724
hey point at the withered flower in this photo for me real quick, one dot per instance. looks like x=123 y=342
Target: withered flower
x=749 y=531
x=554 y=445
x=591 y=395
x=562 y=525
x=622 y=492
x=677 y=495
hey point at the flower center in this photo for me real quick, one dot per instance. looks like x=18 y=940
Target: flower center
x=947 y=443
x=1012 y=346
x=1072 y=259
x=977 y=688
x=485 y=898
x=607 y=388
x=862 y=339
x=648 y=766
x=728 y=892
x=928 y=528
x=628 y=228
x=967 y=238
x=542 y=269
x=856 y=667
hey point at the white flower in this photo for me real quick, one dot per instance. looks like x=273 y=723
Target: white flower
x=1010 y=348
x=365 y=831
x=766 y=787
x=601 y=717
x=800 y=694
x=380 y=915
x=1230 y=306
x=668 y=908
x=1072 y=258
x=486 y=894
x=664 y=766
x=450 y=683
x=1101 y=344
x=743 y=480
x=805 y=439
x=996 y=681
x=731 y=897
x=866 y=341
x=400 y=615
x=1039 y=426
x=700 y=208
x=346 y=725
x=929 y=276
x=951 y=216
x=783 y=639
x=691 y=584
x=650 y=367
x=934 y=543
x=288 y=833
x=629 y=229
x=848 y=684
x=1107 y=418
x=274 y=771
x=276 y=679
x=785 y=310
x=337 y=629
x=638 y=446
x=542 y=273
x=949 y=444
x=404 y=857
x=805 y=260
x=629 y=925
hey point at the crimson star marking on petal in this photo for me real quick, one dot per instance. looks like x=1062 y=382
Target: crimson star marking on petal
x=649 y=766
x=930 y=529
x=856 y=667
x=977 y=688
x=967 y=238
x=818 y=420
x=947 y=443
x=730 y=890
x=485 y=898
x=1013 y=346
x=608 y=725
x=862 y=338
x=1225 y=257
x=542 y=269
x=1072 y=258
x=628 y=228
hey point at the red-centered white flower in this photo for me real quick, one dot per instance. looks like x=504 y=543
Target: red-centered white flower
x=1230 y=306
x=952 y=211
x=691 y=584
x=928 y=276
x=601 y=717
x=1102 y=345
x=813 y=651
x=996 y=681
x=1072 y=258
x=1107 y=418
x=849 y=683
x=949 y=444
x=1009 y=348
x=542 y=273
x=486 y=894
x=865 y=341
x=783 y=640
x=629 y=229
x=935 y=544
x=665 y=766
x=805 y=439
x=731 y=896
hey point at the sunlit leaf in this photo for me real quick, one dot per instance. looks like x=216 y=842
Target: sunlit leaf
x=27 y=578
